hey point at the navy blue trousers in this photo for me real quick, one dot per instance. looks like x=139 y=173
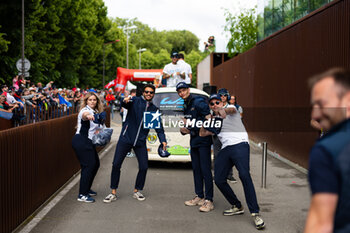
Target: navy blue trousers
x=237 y=155
x=201 y=165
x=88 y=159
x=119 y=156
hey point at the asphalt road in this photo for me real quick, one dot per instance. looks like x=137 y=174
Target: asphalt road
x=283 y=203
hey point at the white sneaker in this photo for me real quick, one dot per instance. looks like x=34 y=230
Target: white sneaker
x=110 y=197
x=139 y=196
x=233 y=211
x=259 y=222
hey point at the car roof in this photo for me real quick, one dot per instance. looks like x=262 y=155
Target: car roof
x=173 y=90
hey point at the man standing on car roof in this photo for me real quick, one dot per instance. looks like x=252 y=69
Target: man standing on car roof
x=173 y=73
x=196 y=108
x=133 y=136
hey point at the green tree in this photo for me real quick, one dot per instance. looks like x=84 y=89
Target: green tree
x=3 y=42
x=65 y=40
x=182 y=40
x=243 y=30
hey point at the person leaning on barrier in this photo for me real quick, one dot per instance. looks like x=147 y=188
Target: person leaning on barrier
x=235 y=151
x=329 y=163
x=133 y=136
x=195 y=108
x=83 y=147
x=4 y=106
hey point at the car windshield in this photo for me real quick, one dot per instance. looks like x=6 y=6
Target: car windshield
x=170 y=103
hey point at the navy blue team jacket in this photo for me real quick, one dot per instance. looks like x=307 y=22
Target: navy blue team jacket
x=133 y=132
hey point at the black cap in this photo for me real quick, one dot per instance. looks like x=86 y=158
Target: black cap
x=174 y=54
x=181 y=85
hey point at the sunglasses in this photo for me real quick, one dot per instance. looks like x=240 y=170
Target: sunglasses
x=149 y=92
x=216 y=102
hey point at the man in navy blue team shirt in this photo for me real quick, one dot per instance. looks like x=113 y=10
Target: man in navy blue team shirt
x=197 y=109
x=329 y=165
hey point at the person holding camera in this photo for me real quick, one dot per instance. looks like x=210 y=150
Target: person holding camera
x=210 y=45
x=82 y=144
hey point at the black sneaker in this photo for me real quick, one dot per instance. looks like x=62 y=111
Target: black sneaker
x=231 y=179
x=92 y=193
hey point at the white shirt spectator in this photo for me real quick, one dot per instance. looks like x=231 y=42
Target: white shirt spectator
x=171 y=69
x=185 y=67
x=10 y=99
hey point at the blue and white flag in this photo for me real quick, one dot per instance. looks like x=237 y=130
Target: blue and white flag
x=64 y=101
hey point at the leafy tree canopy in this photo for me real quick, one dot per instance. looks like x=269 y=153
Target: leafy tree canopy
x=243 y=29
x=67 y=41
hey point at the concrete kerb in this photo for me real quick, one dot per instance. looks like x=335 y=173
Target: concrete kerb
x=41 y=212
x=277 y=156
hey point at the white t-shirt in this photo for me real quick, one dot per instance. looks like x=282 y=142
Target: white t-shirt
x=170 y=69
x=93 y=126
x=10 y=99
x=185 y=67
x=233 y=130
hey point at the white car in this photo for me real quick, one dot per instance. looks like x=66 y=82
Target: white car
x=171 y=107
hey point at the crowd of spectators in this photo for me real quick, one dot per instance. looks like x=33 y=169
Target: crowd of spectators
x=23 y=103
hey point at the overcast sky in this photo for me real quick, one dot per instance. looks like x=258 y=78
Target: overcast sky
x=202 y=17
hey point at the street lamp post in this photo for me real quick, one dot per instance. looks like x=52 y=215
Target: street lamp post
x=127 y=44
x=140 y=51
x=23 y=39
x=104 y=45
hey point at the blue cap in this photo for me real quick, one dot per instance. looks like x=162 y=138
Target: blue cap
x=223 y=91
x=215 y=96
x=163 y=153
x=181 y=85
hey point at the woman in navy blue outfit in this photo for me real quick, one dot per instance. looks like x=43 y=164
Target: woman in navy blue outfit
x=83 y=147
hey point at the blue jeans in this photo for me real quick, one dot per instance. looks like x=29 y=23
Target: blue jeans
x=237 y=155
x=201 y=165
x=119 y=156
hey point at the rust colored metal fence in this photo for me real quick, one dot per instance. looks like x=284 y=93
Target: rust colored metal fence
x=272 y=78
x=36 y=160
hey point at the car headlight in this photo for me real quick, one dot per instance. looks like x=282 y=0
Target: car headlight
x=152 y=138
